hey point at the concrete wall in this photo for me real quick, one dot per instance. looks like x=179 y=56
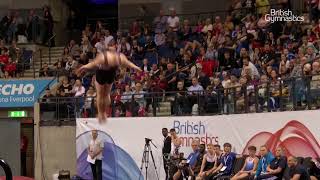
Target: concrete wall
x=129 y=8
x=55 y=148
x=137 y=1
x=58 y=149
x=60 y=13
x=19 y=4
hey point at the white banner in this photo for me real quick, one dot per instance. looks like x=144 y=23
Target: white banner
x=298 y=132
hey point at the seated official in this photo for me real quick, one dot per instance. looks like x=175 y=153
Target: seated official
x=314 y=170
x=297 y=171
x=250 y=166
x=277 y=166
x=264 y=162
x=226 y=163
x=192 y=158
x=197 y=167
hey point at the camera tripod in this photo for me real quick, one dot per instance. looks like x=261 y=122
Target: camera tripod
x=145 y=159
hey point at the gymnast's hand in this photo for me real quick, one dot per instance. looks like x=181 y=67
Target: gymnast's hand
x=82 y=70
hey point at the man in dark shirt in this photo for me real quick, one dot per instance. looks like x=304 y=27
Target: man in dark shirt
x=267 y=57
x=227 y=63
x=180 y=104
x=197 y=166
x=314 y=170
x=297 y=171
x=171 y=77
x=23 y=150
x=150 y=46
x=277 y=166
x=47 y=97
x=166 y=149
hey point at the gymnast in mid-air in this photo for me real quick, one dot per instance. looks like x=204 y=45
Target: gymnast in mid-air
x=106 y=65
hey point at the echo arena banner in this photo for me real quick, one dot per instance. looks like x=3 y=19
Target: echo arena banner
x=21 y=93
x=297 y=132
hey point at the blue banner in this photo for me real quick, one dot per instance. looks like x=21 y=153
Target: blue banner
x=21 y=93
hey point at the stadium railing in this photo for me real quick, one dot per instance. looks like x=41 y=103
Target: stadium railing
x=300 y=93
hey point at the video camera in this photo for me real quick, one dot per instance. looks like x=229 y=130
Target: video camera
x=183 y=164
x=147 y=140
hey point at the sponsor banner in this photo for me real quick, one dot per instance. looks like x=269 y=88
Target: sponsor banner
x=21 y=93
x=297 y=132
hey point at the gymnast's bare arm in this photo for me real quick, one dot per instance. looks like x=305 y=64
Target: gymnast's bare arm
x=92 y=65
x=126 y=63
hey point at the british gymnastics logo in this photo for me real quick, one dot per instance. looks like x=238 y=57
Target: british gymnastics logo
x=189 y=131
x=282 y=15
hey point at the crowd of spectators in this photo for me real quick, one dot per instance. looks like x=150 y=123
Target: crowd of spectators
x=234 y=62
x=12 y=60
x=33 y=28
x=16 y=29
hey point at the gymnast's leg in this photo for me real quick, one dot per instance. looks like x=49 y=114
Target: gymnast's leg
x=107 y=98
x=101 y=101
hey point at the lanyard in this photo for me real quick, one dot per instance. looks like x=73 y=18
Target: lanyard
x=225 y=159
x=263 y=164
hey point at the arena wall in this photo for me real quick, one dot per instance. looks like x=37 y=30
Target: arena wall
x=55 y=148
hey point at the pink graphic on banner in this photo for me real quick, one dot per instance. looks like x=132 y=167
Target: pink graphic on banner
x=294 y=137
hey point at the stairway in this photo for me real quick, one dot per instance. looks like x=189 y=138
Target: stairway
x=56 y=53
x=164 y=109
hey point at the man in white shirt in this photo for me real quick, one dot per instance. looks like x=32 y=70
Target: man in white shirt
x=251 y=66
x=100 y=45
x=195 y=91
x=173 y=21
x=195 y=88
x=95 y=150
x=107 y=38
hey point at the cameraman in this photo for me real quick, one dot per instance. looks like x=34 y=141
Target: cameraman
x=184 y=171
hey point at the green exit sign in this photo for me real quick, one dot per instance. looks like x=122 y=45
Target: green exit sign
x=17 y=114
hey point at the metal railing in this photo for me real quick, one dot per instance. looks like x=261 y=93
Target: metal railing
x=6 y=169
x=50 y=46
x=281 y=95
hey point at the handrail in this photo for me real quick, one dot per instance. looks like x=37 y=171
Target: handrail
x=181 y=69
x=33 y=61
x=49 y=44
x=49 y=84
x=5 y=166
